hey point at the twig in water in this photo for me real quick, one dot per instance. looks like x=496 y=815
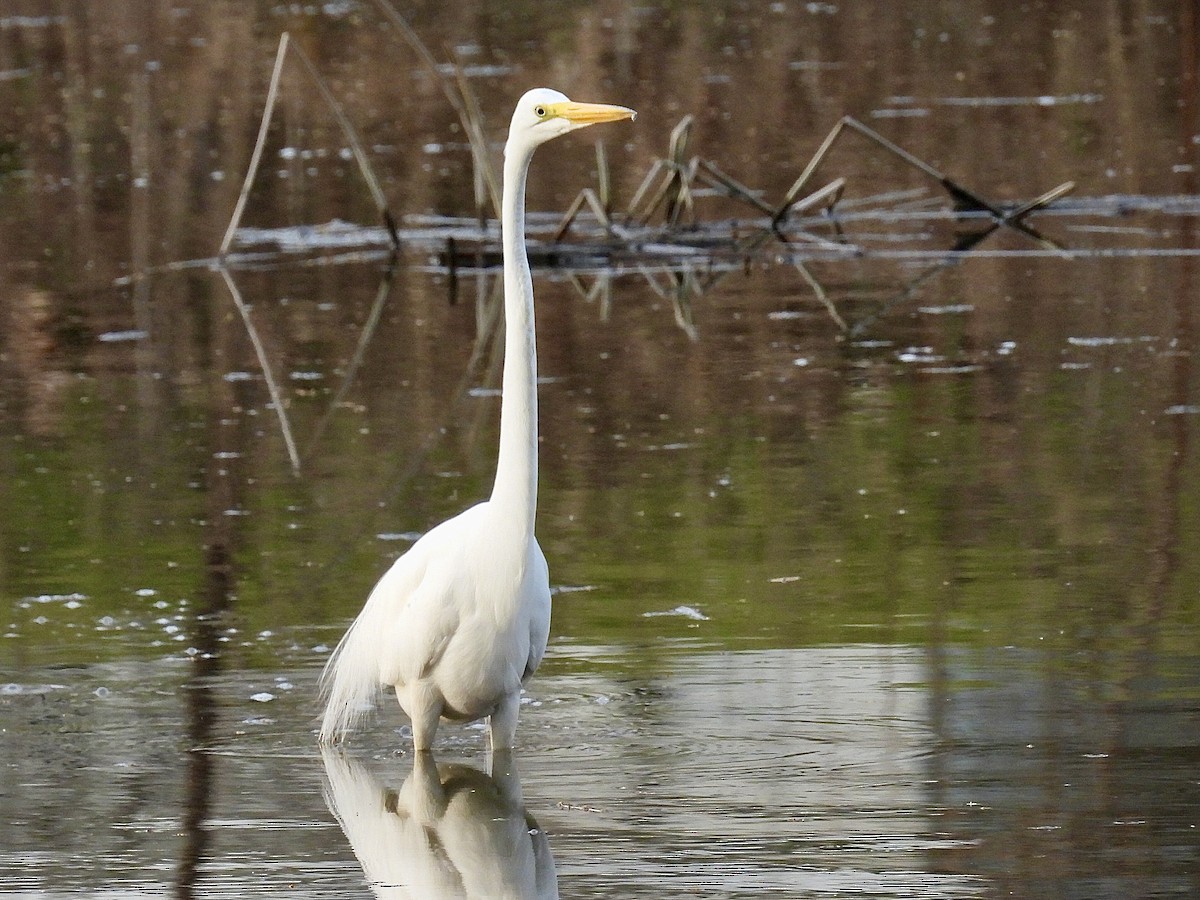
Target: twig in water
x=256 y=156
x=1037 y=203
x=964 y=199
x=675 y=187
x=460 y=102
x=636 y=202
x=603 y=180
x=821 y=295
x=485 y=172
x=905 y=294
x=714 y=177
x=268 y=374
x=364 y=164
x=585 y=197
x=600 y=201
x=686 y=287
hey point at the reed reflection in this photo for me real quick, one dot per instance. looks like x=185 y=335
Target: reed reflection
x=450 y=831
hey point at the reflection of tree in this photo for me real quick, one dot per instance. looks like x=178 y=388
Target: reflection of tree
x=30 y=356
x=201 y=711
x=451 y=831
x=1178 y=400
x=223 y=478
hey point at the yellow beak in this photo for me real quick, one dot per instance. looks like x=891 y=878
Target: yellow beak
x=591 y=113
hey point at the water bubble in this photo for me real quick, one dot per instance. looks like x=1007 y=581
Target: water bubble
x=101 y=692
x=262 y=697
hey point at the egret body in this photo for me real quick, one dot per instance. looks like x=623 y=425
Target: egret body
x=460 y=621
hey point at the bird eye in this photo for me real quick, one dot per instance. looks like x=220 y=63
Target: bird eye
x=540 y=112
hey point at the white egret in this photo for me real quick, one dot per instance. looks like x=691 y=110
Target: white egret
x=460 y=621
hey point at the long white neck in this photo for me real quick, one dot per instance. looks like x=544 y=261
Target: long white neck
x=515 y=491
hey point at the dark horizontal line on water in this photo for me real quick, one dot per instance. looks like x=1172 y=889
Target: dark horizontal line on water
x=580 y=260
x=466 y=245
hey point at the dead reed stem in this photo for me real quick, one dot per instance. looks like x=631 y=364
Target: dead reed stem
x=256 y=156
x=461 y=104
x=360 y=155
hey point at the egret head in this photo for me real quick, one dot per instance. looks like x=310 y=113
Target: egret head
x=542 y=114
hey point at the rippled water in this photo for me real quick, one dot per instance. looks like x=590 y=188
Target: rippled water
x=873 y=565
x=865 y=769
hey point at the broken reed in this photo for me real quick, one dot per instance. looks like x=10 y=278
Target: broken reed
x=348 y=130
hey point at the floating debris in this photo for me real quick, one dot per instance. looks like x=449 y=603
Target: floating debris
x=572 y=588
x=1040 y=100
x=687 y=612
x=116 y=337
x=409 y=536
x=1109 y=341
x=948 y=309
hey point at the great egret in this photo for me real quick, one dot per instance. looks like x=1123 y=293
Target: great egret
x=460 y=621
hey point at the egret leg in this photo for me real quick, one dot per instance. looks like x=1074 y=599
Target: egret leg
x=425 y=712
x=502 y=724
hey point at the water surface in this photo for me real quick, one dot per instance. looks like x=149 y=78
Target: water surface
x=902 y=610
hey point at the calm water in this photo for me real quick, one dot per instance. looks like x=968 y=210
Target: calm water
x=909 y=611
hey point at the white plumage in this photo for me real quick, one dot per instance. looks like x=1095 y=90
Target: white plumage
x=461 y=620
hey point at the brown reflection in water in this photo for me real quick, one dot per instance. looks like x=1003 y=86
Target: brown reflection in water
x=764 y=80
x=33 y=378
x=223 y=486
x=1178 y=393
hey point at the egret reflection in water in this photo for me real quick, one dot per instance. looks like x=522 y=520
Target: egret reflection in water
x=450 y=831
